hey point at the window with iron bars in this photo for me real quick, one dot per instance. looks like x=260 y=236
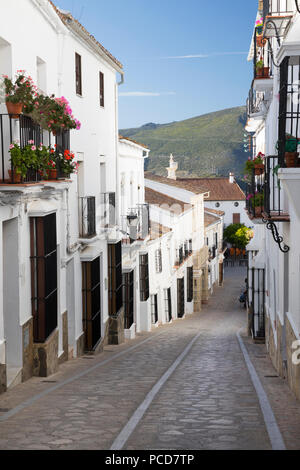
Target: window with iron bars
x=154 y=309
x=128 y=297
x=43 y=248
x=190 y=284
x=115 y=280
x=144 y=278
x=158 y=260
x=168 y=303
x=180 y=297
x=91 y=303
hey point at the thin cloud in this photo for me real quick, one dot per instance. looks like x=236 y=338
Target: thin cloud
x=204 y=56
x=146 y=93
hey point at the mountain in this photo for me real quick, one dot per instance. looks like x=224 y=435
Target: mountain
x=203 y=146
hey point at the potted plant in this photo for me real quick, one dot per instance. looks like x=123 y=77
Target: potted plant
x=54 y=114
x=259 y=165
x=261 y=71
x=259 y=26
x=20 y=93
x=66 y=163
x=51 y=170
x=43 y=158
x=22 y=160
x=249 y=166
x=257 y=202
x=291 y=154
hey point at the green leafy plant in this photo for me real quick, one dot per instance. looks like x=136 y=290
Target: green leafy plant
x=238 y=235
x=259 y=64
x=23 y=159
x=257 y=199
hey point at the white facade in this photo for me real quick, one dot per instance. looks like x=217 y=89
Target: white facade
x=47 y=52
x=276 y=296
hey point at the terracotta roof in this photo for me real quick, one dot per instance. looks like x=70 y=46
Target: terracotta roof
x=66 y=17
x=168 y=203
x=170 y=182
x=121 y=137
x=214 y=211
x=210 y=219
x=220 y=188
x=157 y=230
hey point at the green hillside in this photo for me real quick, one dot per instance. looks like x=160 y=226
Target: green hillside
x=205 y=145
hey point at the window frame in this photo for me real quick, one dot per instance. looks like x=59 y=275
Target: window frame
x=78 y=74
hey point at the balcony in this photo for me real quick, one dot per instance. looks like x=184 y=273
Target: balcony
x=262 y=63
x=107 y=210
x=274 y=206
x=255 y=195
x=87 y=217
x=136 y=224
x=277 y=15
x=21 y=129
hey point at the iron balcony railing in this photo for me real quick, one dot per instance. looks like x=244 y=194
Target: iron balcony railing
x=107 y=210
x=278 y=7
x=22 y=129
x=87 y=217
x=255 y=194
x=179 y=255
x=262 y=54
x=256 y=103
x=274 y=204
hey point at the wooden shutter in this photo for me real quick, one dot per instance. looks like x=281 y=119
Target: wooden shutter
x=78 y=74
x=101 y=79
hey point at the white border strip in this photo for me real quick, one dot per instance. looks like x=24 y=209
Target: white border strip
x=275 y=435
x=128 y=429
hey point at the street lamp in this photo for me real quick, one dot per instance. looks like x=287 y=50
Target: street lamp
x=132 y=222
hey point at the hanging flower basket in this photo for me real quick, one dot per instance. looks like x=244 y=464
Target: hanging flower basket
x=259 y=169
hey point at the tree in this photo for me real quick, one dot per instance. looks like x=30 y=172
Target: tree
x=238 y=235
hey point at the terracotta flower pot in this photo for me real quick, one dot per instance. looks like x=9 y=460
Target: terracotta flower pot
x=15 y=109
x=263 y=72
x=260 y=41
x=291 y=159
x=258 y=211
x=259 y=169
x=53 y=174
x=15 y=177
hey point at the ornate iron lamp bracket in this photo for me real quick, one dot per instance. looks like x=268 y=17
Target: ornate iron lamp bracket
x=276 y=30
x=297 y=6
x=277 y=238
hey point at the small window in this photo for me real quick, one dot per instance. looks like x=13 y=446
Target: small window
x=190 y=287
x=101 y=81
x=78 y=74
x=236 y=204
x=218 y=204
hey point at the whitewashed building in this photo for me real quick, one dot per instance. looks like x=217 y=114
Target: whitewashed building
x=274 y=253
x=59 y=249
x=223 y=194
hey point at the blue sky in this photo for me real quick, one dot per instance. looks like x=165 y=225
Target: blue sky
x=152 y=39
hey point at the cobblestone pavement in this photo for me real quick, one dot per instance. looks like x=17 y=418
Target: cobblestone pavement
x=208 y=402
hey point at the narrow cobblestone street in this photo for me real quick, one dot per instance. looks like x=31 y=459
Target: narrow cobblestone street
x=208 y=402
